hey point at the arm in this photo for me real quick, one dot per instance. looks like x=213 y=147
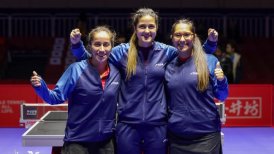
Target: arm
x=79 y=51
x=77 y=46
x=220 y=83
x=172 y=53
x=218 y=80
x=59 y=94
x=210 y=44
x=117 y=53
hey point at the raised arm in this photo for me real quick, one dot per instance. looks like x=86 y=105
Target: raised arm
x=210 y=44
x=77 y=46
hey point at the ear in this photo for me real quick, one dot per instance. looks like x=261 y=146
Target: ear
x=88 y=47
x=194 y=36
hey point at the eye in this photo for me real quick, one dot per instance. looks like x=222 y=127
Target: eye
x=106 y=44
x=142 y=26
x=151 y=26
x=97 y=44
x=187 y=35
x=178 y=35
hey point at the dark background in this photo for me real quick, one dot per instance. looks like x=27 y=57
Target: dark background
x=30 y=29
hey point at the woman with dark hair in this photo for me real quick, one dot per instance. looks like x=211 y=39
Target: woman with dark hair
x=91 y=88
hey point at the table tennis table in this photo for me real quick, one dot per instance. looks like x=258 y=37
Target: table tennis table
x=48 y=131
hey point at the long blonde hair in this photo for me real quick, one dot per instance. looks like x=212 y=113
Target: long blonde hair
x=132 y=51
x=198 y=55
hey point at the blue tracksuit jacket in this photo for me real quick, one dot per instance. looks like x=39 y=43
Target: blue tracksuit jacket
x=191 y=112
x=142 y=99
x=91 y=109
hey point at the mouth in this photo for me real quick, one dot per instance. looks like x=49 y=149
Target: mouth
x=101 y=56
x=146 y=37
x=181 y=45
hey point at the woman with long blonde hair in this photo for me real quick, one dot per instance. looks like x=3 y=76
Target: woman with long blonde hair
x=193 y=80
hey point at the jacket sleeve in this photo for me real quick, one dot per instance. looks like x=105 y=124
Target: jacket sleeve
x=117 y=54
x=61 y=91
x=79 y=51
x=209 y=47
x=220 y=88
x=172 y=52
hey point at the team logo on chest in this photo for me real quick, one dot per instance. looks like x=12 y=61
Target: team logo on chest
x=159 y=64
x=193 y=73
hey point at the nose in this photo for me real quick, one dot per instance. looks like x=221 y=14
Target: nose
x=147 y=30
x=101 y=48
x=182 y=38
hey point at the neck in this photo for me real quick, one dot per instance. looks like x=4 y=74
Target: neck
x=145 y=45
x=184 y=55
x=100 y=67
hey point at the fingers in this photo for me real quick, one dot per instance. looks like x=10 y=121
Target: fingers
x=218 y=65
x=75 y=36
x=75 y=32
x=212 y=35
x=219 y=72
x=34 y=73
x=35 y=80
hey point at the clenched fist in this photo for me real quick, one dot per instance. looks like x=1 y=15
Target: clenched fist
x=212 y=35
x=75 y=36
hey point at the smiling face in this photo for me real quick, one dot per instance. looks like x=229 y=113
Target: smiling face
x=100 y=47
x=146 y=29
x=183 y=37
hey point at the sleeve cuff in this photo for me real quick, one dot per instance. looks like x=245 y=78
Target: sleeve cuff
x=222 y=83
x=77 y=45
x=210 y=43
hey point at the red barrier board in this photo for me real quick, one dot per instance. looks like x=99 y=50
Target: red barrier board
x=249 y=105
x=11 y=96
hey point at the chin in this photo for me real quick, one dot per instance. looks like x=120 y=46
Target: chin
x=183 y=50
x=147 y=40
x=101 y=60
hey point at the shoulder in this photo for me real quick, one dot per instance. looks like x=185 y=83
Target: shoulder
x=79 y=63
x=237 y=55
x=163 y=46
x=167 y=49
x=121 y=47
